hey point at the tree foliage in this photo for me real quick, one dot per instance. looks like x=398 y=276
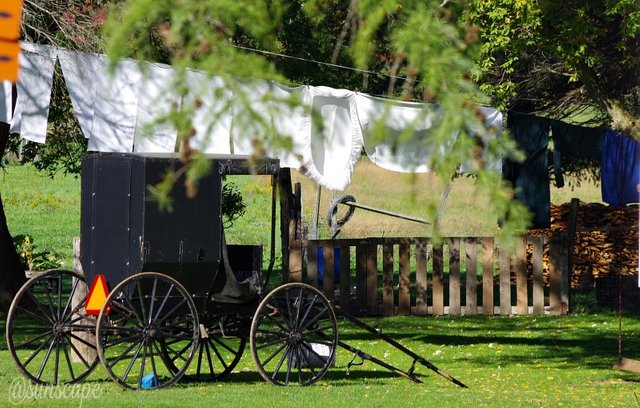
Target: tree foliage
x=577 y=59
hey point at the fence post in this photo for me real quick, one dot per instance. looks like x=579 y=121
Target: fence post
x=404 y=280
x=487 y=276
x=387 y=279
x=438 y=294
x=454 y=276
x=372 y=278
x=345 y=276
x=537 y=243
x=361 y=277
x=558 y=275
x=505 y=282
x=421 y=278
x=522 y=295
x=81 y=351
x=471 y=302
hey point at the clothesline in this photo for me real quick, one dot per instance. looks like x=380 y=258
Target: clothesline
x=119 y=113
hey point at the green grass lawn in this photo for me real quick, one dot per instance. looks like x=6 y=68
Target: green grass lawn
x=506 y=362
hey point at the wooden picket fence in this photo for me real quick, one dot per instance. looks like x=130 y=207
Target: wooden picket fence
x=413 y=276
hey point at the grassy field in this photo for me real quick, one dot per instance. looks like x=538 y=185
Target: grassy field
x=506 y=362
x=521 y=361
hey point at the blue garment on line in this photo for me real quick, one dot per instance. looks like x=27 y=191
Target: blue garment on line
x=620 y=169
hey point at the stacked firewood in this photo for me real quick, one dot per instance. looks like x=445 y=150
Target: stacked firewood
x=606 y=240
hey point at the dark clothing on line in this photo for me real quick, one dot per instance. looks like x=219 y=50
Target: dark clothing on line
x=530 y=178
x=575 y=141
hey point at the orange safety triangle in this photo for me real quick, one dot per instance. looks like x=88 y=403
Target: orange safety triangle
x=97 y=296
x=9 y=51
x=10 y=14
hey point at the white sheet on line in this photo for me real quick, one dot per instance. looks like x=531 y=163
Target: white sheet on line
x=210 y=106
x=336 y=145
x=272 y=106
x=492 y=128
x=114 y=119
x=80 y=71
x=156 y=99
x=35 y=79
x=6 y=101
x=396 y=133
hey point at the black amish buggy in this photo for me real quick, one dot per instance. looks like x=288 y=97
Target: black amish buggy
x=177 y=296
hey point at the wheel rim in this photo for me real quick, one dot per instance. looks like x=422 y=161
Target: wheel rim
x=152 y=319
x=294 y=335
x=49 y=335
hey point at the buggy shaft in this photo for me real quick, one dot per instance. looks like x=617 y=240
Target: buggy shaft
x=398 y=346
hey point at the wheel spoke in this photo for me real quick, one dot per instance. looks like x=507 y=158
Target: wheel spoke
x=153 y=299
x=315 y=319
x=220 y=358
x=279 y=365
x=79 y=354
x=272 y=342
x=142 y=363
x=81 y=340
x=44 y=320
x=38 y=350
x=210 y=360
x=126 y=352
x=73 y=291
x=24 y=343
x=46 y=359
x=67 y=358
x=141 y=301
x=170 y=313
x=133 y=359
x=275 y=353
x=309 y=308
x=48 y=316
x=164 y=301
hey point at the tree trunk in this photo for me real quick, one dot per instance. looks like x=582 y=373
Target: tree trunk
x=11 y=269
x=622 y=120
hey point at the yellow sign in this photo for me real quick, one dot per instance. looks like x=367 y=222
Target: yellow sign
x=97 y=296
x=10 y=13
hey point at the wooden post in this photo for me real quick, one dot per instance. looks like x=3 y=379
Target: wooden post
x=404 y=280
x=345 y=276
x=454 y=276
x=538 y=269
x=558 y=276
x=372 y=279
x=312 y=263
x=295 y=262
x=387 y=279
x=505 y=282
x=79 y=297
x=421 y=278
x=329 y=269
x=521 y=276
x=487 y=276
x=438 y=294
x=287 y=218
x=471 y=303
x=361 y=277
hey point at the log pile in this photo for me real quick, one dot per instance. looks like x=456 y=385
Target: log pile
x=606 y=241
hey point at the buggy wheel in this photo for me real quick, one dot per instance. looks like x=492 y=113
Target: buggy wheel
x=220 y=348
x=47 y=328
x=294 y=335
x=147 y=317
